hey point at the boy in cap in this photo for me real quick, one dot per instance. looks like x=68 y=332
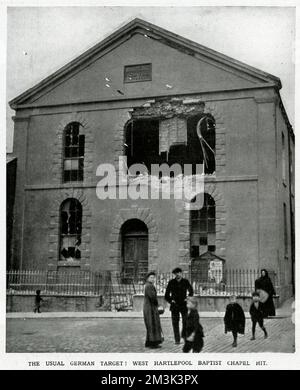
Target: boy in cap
x=257 y=314
x=194 y=331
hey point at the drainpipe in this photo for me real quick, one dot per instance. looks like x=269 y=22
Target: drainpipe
x=291 y=214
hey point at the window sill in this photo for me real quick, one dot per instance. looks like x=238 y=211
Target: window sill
x=146 y=175
x=71 y=183
x=69 y=263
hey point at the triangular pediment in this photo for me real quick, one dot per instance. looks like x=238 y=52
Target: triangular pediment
x=177 y=66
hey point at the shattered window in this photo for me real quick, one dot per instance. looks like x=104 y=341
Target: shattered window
x=148 y=142
x=70 y=229
x=142 y=143
x=73 y=153
x=201 y=142
x=203 y=228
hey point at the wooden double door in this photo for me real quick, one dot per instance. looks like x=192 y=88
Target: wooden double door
x=135 y=250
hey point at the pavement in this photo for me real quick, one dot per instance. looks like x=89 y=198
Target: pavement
x=125 y=332
x=284 y=311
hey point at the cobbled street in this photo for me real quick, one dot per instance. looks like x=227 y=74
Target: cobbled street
x=128 y=335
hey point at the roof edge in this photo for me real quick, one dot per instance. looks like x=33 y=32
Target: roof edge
x=286 y=118
x=133 y=24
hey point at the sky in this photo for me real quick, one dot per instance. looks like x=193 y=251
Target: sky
x=42 y=39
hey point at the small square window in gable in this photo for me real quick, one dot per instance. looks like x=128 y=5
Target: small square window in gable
x=137 y=73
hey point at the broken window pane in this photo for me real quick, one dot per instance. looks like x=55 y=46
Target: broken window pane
x=194 y=251
x=73 y=153
x=70 y=229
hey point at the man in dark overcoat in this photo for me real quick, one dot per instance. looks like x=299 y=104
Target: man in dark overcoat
x=177 y=291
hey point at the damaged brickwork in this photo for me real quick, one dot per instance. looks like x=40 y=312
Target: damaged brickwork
x=173 y=127
x=166 y=109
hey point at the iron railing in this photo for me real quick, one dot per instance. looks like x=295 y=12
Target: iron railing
x=220 y=282
x=57 y=282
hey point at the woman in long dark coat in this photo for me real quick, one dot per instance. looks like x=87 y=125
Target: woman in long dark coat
x=264 y=283
x=151 y=315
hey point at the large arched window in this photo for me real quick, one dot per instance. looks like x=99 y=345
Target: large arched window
x=73 y=153
x=201 y=142
x=203 y=227
x=70 y=229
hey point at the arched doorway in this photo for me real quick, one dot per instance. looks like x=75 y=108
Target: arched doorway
x=134 y=234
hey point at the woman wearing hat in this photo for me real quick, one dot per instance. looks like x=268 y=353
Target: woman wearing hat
x=151 y=314
x=266 y=291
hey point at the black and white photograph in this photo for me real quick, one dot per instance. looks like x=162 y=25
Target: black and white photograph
x=150 y=184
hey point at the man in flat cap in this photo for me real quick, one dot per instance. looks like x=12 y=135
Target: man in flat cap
x=177 y=291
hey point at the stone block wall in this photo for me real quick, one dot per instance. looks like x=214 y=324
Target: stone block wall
x=54 y=303
x=205 y=303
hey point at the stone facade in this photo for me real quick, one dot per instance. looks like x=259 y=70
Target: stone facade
x=246 y=186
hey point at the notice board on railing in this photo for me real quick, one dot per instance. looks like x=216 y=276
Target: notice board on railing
x=207 y=268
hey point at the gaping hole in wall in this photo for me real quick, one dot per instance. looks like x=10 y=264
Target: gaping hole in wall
x=73 y=153
x=175 y=140
x=142 y=143
x=201 y=142
x=203 y=227
x=70 y=229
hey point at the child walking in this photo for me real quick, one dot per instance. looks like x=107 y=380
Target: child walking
x=37 y=301
x=234 y=319
x=257 y=314
x=193 y=331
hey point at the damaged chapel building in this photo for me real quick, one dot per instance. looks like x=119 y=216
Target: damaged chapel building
x=156 y=98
